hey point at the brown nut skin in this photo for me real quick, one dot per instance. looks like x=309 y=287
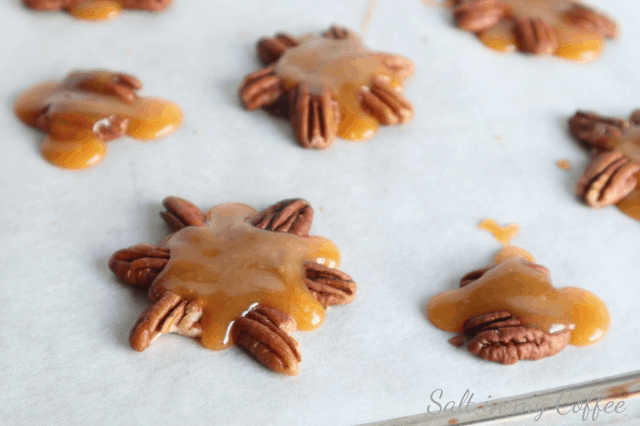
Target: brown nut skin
x=597 y=131
x=139 y=265
x=535 y=36
x=293 y=216
x=260 y=89
x=264 y=333
x=314 y=118
x=181 y=213
x=329 y=286
x=609 y=178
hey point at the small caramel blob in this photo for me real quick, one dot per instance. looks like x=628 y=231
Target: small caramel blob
x=89 y=108
x=564 y=164
x=228 y=265
x=343 y=66
x=504 y=235
x=524 y=289
x=577 y=44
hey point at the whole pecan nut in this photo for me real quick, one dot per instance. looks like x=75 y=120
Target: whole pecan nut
x=261 y=88
x=139 y=265
x=387 y=105
x=535 y=36
x=509 y=345
x=590 y=20
x=597 y=131
x=293 y=216
x=314 y=118
x=329 y=286
x=271 y=48
x=479 y=15
x=170 y=314
x=609 y=178
x=181 y=213
x=264 y=333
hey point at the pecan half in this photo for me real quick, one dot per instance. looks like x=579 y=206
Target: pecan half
x=385 y=103
x=509 y=345
x=293 y=216
x=635 y=117
x=270 y=49
x=120 y=85
x=597 y=131
x=139 y=265
x=490 y=321
x=329 y=286
x=181 y=213
x=473 y=275
x=264 y=333
x=479 y=15
x=261 y=88
x=170 y=314
x=314 y=118
x=590 y=20
x=535 y=36
x=609 y=178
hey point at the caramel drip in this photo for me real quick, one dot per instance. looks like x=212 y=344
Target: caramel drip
x=575 y=44
x=75 y=118
x=343 y=66
x=504 y=235
x=96 y=10
x=517 y=286
x=228 y=265
x=631 y=204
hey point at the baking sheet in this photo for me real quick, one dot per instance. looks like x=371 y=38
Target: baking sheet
x=402 y=207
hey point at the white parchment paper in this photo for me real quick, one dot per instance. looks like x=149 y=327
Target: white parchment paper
x=402 y=207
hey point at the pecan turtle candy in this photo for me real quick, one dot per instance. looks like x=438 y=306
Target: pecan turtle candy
x=564 y=28
x=509 y=311
x=331 y=86
x=96 y=9
x=236 y=276
x=613 y=174
x=89 y=108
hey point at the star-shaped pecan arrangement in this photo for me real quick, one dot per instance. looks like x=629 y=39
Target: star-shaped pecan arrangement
x=613 y=174
x=331 y=86
x=564 y=28
x=96 y=10
x=88 y=109
x=236 y=276
x=510 y=311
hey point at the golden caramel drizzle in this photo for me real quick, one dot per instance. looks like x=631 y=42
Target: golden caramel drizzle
x=343 y=66
x=518 y=286
x=630 y=205
x=575 y=44
x=504 y=235
x=228 y=265
x=75 y=117
x=96 y=10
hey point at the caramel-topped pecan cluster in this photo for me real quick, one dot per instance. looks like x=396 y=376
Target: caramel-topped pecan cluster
x=613 y=173
x=542 y=27
x=328 y=85
x=218 y=276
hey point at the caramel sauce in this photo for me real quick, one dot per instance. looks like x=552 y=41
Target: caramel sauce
x=504 y=235
x=341 y=65
x=518 y=286
x=228 y=265
x=75 y=117
x=96 y=10
x=575 y=44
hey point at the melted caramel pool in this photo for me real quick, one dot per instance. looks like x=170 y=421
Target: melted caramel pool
x=74 y=119
x=228 y=265
x=344 y=66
